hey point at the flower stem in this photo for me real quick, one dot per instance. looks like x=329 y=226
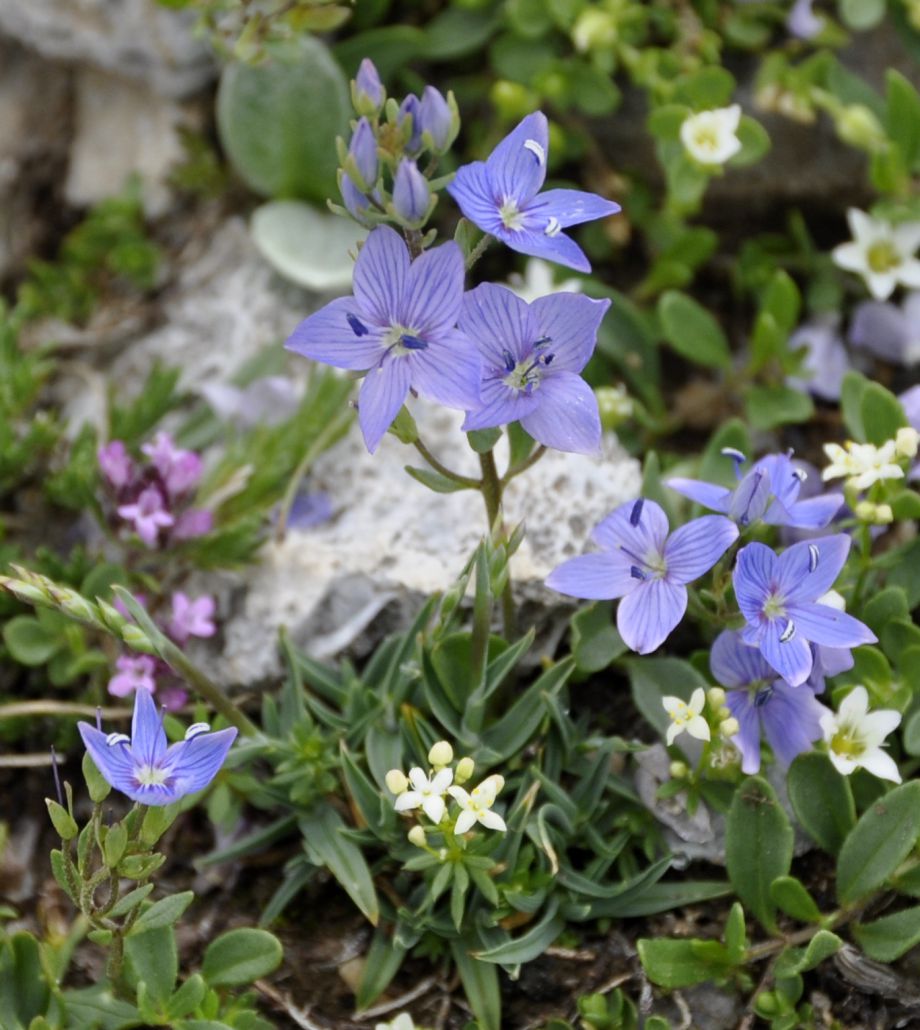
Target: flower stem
x=492 y=488
x=467 y=481
x=477 y=251
x=523 y=466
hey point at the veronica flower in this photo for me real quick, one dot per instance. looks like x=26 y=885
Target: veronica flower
x=768 y=491
x=882 y=253
x=789 y=717
x=501 y=195
x=888 y=331
x=148 y=514
x=855 y=735
x=645 y=567
x=711 y=137
x=779 y=598
x=826 y=360
x=145 y=768
x=399 y=328
x=427 y=793
x=191 y=618
x=135 y=672
x=532 y=355
x=686 y=716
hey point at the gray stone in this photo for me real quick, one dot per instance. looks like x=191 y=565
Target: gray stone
x=136 y=38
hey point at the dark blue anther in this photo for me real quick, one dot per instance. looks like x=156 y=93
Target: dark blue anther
x=542 y=342
x=413 y=343
x=762 y=696
x=509 y=361
x=357 y=326
x=637 y=573
x=636 y=512
x=548 y=359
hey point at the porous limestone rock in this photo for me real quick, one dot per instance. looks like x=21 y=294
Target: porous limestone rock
x=135 y=38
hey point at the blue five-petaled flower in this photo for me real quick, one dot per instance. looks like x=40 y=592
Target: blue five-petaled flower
x=779 y=595
x=646 y=567
x=400 y=328
x=145 y=767
x=532 y=355
x=502 y=196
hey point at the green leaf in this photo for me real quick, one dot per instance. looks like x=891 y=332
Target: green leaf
x=483 y=440
x=238 y=957
x=881 y=413
x=678 y=963
x=530 y=944
x=767 y=407
x=714 y=466
x=480 y=984
x=152 y=960
x=520 y=722
x=165 y=912
x=326 y=844
x=189 y=996
x=435 y=481
x=887 y=939
x=382 y=962
x=851 y=393
x=791 y=895
x=653 y=678
x=595 y=640
x=692 y=331
x=794 y=961
x=758 y=846
x=889 y=603
x=278 y=120
x=903 y=116
x=29 y=642
x=755 y=143
x=881 y=840
x=821 y=799
x=651 y=898
x=861 y=14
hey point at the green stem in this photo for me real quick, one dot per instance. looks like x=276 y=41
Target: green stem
x=455 y=477
x=477 y=251
x=492 y=488
x=523 y=466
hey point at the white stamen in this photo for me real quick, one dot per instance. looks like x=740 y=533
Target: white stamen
x=534 y=147
x=733 y=453
x=195 y=729
x=117 y=738
x=812 y=557
x=553 y=228
x=788 y=633
x=800 y=474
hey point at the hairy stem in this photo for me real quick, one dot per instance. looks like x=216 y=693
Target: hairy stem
x=477 y=251
x=492 y=489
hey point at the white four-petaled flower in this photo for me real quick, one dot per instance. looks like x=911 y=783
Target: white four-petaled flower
x=863 y=464
x=711 y=137
x=686 y=717
x=854 y=736
x=427 y=793
x=882 y=253
x=476 y=806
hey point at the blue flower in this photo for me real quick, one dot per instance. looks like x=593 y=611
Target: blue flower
x=437 y=120
x=779 y=598
x=501 y=196
x=646 y=567
x=768 y=491
x=411 y=193
x=145 y=768
x=367 y=92
x=532 y=355
x=399 y=327
x=789 y=717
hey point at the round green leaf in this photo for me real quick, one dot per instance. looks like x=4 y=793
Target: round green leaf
x=29 y=642
x=821 y=799
x=692 y=331
x=239 y=957
x=887 y=939
x=278 y=121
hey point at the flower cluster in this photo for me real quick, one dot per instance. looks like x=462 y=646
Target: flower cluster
x=188 y=617
x=863 y=465
x=427 y=791
x=154 y=499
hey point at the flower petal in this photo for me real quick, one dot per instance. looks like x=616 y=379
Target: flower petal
x=747 y=739
x=571 y=207
x=696 y=547
x=636 y=528
x=472 y=189
x=558 y=248
x=647 y=615
x=566 y=416
x=148 y=738
x=408 y=800
x=465 y=822
x=499 y=405
x=571 y=322
x=517 y=166
x=448 y=371
x=824 y=625
x=338 y=335
x=196 y=762
x=382 y=394
x=115 y=762
x=499 y=323
x=807 y=570
x=812 y=513
x=596 y=577
x=736 y=664
x=434 y=290
x=492 y=821
x=752 y=578
x=710 y=495
x=380 y=275
x=791 y=658
x=880 y=764
x=434 y=807
x=791 y=721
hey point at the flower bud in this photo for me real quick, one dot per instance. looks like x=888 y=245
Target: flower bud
x=396 y=781
x=724 y=712
x=865 y=511
x=906 y=442
x=716 y=697
x=678 y=770
x=367 y=92
x=464 y=770
x=594 y=30
x=411 y=194
x=492 y=784
x=859 y=127
x=362 y=154
x=355 y=201
x=439 y=120
x=884 y=516
x=409 y=120
x=729 y=727
x=417 y=837
x=441 y=754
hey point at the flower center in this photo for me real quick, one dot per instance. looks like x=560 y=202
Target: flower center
x=511 y=216
x=846 y=741
x=400 y=341
x=773 y=607
x=527 y=374
x=882 y=256
x=707 y=138
x=680 y=713
x=150 y=776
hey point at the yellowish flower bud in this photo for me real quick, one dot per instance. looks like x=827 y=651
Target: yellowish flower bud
x=883 y=514
x=729 y=727
x=396 y=781
x=417 y=837
x=441 y=754
x=906 y=442
x=724 y=712
x=678 y=770
x=859 y=127
x=716 y=697
x=595 y=29
x=865 y=511
x=464 y=770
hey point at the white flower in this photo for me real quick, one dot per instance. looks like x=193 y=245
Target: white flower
x=907 y=441
x=476 y=807
x=686 y=717
x=882 y=253
x=427 y=793
x=863 y=464
x=537 y=281
x=854 y=736
x=710 y=137
x=402 y=1022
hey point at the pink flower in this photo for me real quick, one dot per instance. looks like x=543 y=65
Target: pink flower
x=148 y=514
x=180 y=469
x=191 y=618
x=116 y=464
x=192 y=523
x=135 y=672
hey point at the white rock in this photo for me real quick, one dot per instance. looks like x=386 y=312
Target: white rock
x=136 y=38
x=122 y=129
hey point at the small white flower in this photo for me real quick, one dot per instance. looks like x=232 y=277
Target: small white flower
x=711 y=137
x=907 y=442
x=686 y=717
x=402 y=1022
x=476 y=806
x=882 y=253
x=854 y=736
x=863 y=464
x=538 y=281
x=427 y=793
